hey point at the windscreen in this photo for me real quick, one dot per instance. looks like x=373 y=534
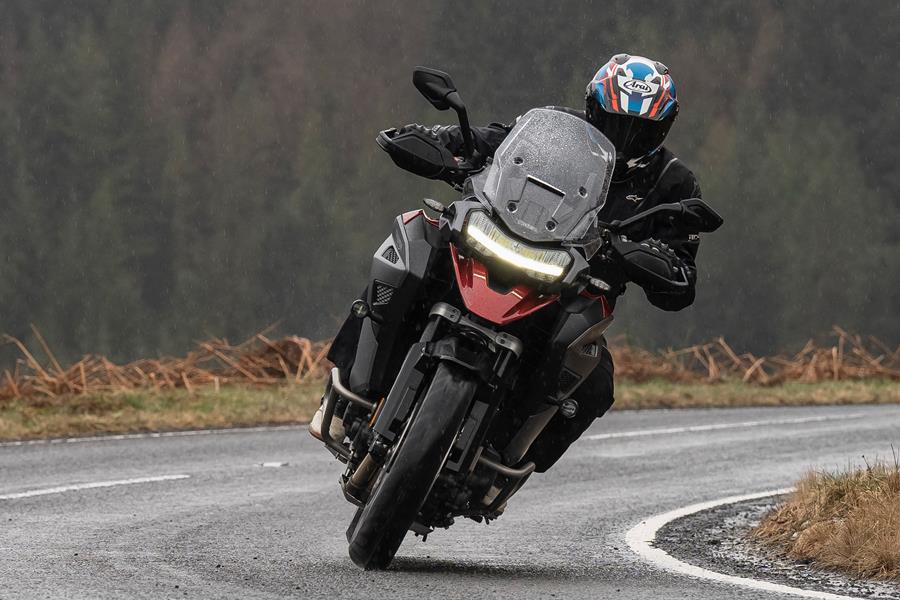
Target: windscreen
x=550 y=176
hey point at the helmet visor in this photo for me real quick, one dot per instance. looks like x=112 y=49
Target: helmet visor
x=633 y=137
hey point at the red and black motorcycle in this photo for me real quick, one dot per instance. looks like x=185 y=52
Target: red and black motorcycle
x=478 y=326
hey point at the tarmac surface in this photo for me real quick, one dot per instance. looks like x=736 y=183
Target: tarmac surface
x=258 y=514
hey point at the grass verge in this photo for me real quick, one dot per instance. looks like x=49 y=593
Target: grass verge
x=847 y=521
x=237 y=406
x=665 y=394
x=169 y=410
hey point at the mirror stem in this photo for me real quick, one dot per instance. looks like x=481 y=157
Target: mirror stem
x=467 y=134
x=455 y=101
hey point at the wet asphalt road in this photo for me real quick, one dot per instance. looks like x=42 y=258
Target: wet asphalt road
x=236 y=529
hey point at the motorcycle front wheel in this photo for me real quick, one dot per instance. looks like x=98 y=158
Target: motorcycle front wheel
x=407 y=479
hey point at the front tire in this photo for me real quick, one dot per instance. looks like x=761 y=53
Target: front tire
x=414 y=467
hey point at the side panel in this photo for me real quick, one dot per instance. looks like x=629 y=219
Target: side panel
x=560 y=371
x=574 y=351
x=399 y=267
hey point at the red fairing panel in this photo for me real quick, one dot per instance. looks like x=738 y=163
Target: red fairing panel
x=602 y=300
x=520 y=301
x=409 y=216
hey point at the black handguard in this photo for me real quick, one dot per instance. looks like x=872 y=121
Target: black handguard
x=423 y=151
x=651 y=264
x=418 y=151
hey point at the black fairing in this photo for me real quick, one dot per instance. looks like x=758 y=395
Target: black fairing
x=400 y=266
x=552 y=361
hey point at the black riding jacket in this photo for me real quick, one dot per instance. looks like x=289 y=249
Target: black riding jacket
x=663 y=179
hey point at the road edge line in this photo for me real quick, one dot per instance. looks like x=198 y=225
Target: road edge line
x=722 y=426
x=641 y=537
x=115 y=437
x=75 y=487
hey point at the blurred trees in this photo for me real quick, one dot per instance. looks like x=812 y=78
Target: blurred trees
x=171 y=171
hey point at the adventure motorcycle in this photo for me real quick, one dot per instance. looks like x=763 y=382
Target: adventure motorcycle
x=477 y=326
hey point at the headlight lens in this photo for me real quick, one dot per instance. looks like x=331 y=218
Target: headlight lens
x=489 y=240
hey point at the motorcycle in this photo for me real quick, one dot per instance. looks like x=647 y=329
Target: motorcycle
x=478 y=325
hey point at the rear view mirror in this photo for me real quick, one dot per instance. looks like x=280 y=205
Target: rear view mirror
x=699 y=216
x=437 y=87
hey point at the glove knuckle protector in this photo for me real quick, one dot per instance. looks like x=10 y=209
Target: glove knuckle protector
x=650 y=264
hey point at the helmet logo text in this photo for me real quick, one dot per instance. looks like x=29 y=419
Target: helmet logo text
x=635 y=86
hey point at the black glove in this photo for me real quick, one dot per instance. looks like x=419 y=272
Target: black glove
x=651 y=264
x=429 y=131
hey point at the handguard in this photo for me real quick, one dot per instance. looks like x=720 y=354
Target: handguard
x=651 y=264
x=420 y=152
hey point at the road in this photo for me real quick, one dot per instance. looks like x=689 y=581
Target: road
x=234 y=528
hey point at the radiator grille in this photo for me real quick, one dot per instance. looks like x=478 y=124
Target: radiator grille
x=383 y=293
x=391 y=255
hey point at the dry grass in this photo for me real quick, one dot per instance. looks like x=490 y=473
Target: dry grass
x=247 y=405
x=214 y=363
x=264 y=381
x=847 y=521
x=849 y=357
x=163 y=410
x=731 y=394
x=260 y=360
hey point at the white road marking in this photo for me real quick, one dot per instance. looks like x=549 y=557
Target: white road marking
x=141 y=436
x=719 y=426
x=641 y=537
x=273 y=465
x=89 y=486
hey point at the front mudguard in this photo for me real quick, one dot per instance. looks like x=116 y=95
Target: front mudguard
x=419 y=362
x=400 y=268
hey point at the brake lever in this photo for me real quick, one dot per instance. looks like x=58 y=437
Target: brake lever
x=684 y=277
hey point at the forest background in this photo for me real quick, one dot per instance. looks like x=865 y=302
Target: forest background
x=171 y=171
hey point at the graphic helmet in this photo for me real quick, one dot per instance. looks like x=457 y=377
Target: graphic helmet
x=632 y=101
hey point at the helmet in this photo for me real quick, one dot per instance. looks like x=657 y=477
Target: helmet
x=632 y=101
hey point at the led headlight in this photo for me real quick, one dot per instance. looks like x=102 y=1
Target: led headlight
x=489 y=240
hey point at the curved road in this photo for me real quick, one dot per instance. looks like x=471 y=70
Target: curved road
x=109 y=519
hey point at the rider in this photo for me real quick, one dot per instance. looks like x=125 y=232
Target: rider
x=631 y=100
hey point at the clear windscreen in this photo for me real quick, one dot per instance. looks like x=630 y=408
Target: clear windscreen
x=549 y=178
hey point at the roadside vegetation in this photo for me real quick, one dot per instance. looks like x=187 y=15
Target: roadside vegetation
x=163 y=410
x=279 y=381
x=242 y=405
x=732 y=394
x=846 y=521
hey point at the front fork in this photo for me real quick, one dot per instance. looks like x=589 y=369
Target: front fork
x=369 y=448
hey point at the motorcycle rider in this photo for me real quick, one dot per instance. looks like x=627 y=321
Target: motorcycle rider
x=632 y=101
